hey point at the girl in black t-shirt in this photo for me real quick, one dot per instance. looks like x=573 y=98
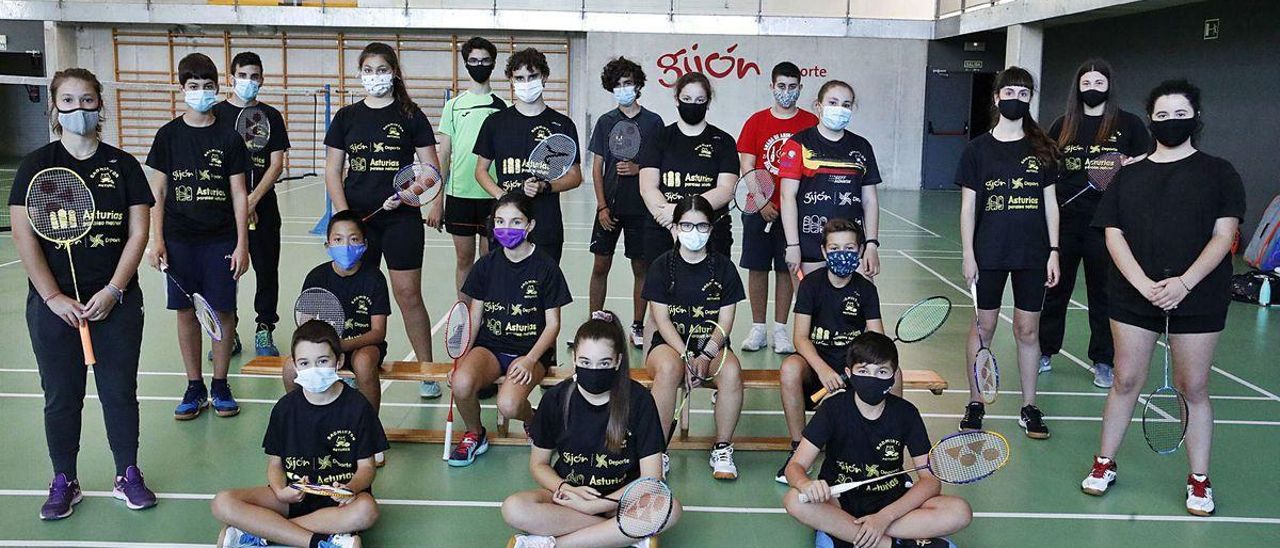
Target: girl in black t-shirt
x=373 y=139
x=592 y=436
x=1170 y=221
x=517 y=291
x=685 y=287
x=1092 y=126
x=690 y=157
x=1009 y=231
x=106 y=263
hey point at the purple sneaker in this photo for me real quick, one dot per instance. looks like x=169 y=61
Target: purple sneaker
x=63 y=496
x=133 y=491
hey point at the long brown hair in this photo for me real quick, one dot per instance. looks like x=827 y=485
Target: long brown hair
x=61 y=77
x=1042 y=146
x=1074 y=113
x=605 y=326
x=398 y=89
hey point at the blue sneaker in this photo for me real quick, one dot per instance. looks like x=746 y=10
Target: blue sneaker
x=235 y=538
x=429 y=390
x=193 y=402
x=471 y=446
x=263 y=344
x=223 y=403
x=133 y=491
x=236 y=349
x=1045 y=364
x=63 y=496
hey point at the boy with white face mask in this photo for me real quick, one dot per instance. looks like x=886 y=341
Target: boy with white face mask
x=322 y=435
x=509 y=135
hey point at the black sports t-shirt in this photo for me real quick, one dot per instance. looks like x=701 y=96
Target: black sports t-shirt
x=689 y=166
x=831 y=176
x=1167 y=212
x=507 y=137
x=581 y=455
x=516 y=297
x=858 y=448
x=700 y=289
x=1128 y=136
x=378 y=142
x=268 y=209
x=323 y=442
x=363 y=295
x=628 y=201
x=199 y=163
x=837 y=314
x=1011 y=232
x=116 y=181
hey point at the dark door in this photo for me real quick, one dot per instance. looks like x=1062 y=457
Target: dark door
x=947 y=110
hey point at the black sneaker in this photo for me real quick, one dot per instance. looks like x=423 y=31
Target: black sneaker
x=1032 y=422
x=781 y=477
x=973 y=414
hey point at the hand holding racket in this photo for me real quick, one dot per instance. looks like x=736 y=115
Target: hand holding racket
x=317 y=303
x=335 y=493
x=457 y=340
x=1100 y=171
x=62 y=211
x=549 y=161
x=916 y=324
x=415 y=185
x=705 y=353
x=205 y=314
x=986 y=373
x=753 y=191
x=643 y=508
x=960 y=458
x=624 y=146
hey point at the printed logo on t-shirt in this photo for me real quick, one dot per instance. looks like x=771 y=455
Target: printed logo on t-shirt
x=712 y=290
x=812 y=224
x=183 y=193
x=356 y=148
x=358 y=164
x=995 y=202
x=380 y=146
x=341 y=440
x=520 y=310
x=393 y=130
x=214 y=157
x=1031 y=165
x=851 y=306
x=704 y=150
x=361 y=304
x=540 y=133
x=772 y=149
x=105 y=177
x=530 y=288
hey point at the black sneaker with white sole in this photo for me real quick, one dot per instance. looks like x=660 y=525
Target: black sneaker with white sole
x=973 y=414
x=781 y=476
x=1032 y=422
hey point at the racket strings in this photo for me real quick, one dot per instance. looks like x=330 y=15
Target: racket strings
x=553 y=157
x=986 y=374
x=417 y=184
x=754 y=190
x=1102 y=169
x=207 y=316
x=1164 y=423
x=254 y=128
x=644 y=508
x=968 y=456
x=59 y=205
x=458 y=327
x=319 y=304
x=923 y=319
x=624 y=140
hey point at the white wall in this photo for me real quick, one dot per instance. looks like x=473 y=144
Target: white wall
x=887 y=74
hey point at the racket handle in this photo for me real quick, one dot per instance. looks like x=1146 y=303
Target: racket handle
x=87 y=343
x=448 y=438
x=835 y=491
x=817 y=396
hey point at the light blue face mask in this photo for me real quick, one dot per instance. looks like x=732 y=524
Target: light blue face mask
x=625 y=95
x=317 y=379
x=247 y=90
x=835 y=117
x=200 y=100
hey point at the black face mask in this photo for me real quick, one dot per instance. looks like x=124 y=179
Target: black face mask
x=1013 y=109
x=1092 y=97
x=480 y=73
x=1174 y=131
x=692 y=113
x=596 y=381
x=871 y=390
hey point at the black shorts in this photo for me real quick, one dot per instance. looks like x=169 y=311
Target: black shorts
x=1028 y=288
x=1178 y=325
x=630 y=227
x=810 y=382
x=762 y=251
x=864 y=505
x=203 y=268
x=467 y=216
x=309 y=505
x=398 y=236
x=658 y=240
x=382 y=356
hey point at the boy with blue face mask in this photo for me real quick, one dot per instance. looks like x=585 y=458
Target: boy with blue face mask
x=323 y=435
x=366 y=303
x=202 y=219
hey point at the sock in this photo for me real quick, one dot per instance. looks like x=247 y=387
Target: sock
x=795 y=445
x=1200 y=477
x=316 y=539
x=193 y=384
x=721 y=445
x=755 y=326
x=218 y=383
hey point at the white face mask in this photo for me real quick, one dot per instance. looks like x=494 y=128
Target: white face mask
x=78 y=121
x=376 y=84
x=528 y=92
x=836 y=117
x=200 y=100
x=316 y=379
x=694 y=240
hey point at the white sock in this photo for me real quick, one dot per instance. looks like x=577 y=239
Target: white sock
x=755 y=326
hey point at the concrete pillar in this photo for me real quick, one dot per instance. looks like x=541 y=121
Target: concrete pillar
x=59 y=47
x=1024 y=47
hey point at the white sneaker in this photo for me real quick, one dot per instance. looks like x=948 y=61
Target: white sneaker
x=1100 y=478
x=666 y=465
x=534 y=541
x=342 y=541
x=722 y=467
x=757 y=339
x=782 y=340
x=235 y=538
x=379 y=459
x=1199 y=496
x=637 y=335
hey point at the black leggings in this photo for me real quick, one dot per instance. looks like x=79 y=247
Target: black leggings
x=1080 y=244
x=117 y=341
x=264 y=253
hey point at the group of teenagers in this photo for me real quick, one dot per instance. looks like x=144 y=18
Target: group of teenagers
x=1154 y=247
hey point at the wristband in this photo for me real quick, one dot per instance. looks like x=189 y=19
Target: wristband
x=1184 y=284
x=601 y=208
x=50 y=297
x=793 y=245
x=561 y=485
x=873 y=241
x=1054 y=248
x=116 y=292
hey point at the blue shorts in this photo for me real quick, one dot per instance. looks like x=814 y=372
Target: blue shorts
x=203 y=268
x=504 y=359
x=762 y=251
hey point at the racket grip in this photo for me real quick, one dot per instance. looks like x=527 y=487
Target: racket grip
x=448 y=439
x=835 y=493
x=817 y=397
x=87 y=343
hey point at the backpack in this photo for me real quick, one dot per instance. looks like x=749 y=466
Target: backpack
x=1247 y=287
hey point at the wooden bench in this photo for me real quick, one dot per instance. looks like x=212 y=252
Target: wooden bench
x=439 y=372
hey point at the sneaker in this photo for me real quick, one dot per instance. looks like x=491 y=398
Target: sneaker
x=533 y=541
x=1100 y=478
x=235 y=538
x=471 y=446
x=1199 y=496
x=263 y=344
x=236 y=349
x=1032 y=422
x=757 y=339
x=339 y=541
x=935 y=542
x=722 y=467
x=193 y=402
x=1046 y=364
x=133 y=491
x=637 y=334
x=644 y=543
x=1102 y=377
x=781 y=476
x=379 y=459
x=223 y=403
x=63 y=496
x=973 y=414
x=782 y=340
x=429 y=390
x=666 y=465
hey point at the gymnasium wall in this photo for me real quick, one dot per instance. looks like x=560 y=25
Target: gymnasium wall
x=1238 y=73
x=23 y=124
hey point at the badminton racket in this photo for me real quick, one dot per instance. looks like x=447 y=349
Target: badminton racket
x=1100 y=171
x=1165 y=430
x=318 y=303
x=457 y=341
x=986 y=373
x=254 y=127
x=552 y=158
x=415 y=185
x=205 y=314
x=624 y=146
x=62 y=211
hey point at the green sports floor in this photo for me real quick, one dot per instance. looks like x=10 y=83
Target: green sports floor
x=1035 y=500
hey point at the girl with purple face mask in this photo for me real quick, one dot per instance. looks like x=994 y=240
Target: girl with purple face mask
x=517 y=291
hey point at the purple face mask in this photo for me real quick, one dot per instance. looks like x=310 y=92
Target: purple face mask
x=510 y=237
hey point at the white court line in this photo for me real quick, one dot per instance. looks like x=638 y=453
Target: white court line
x=910 y=222
x=299 y=187
x=15 y=261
